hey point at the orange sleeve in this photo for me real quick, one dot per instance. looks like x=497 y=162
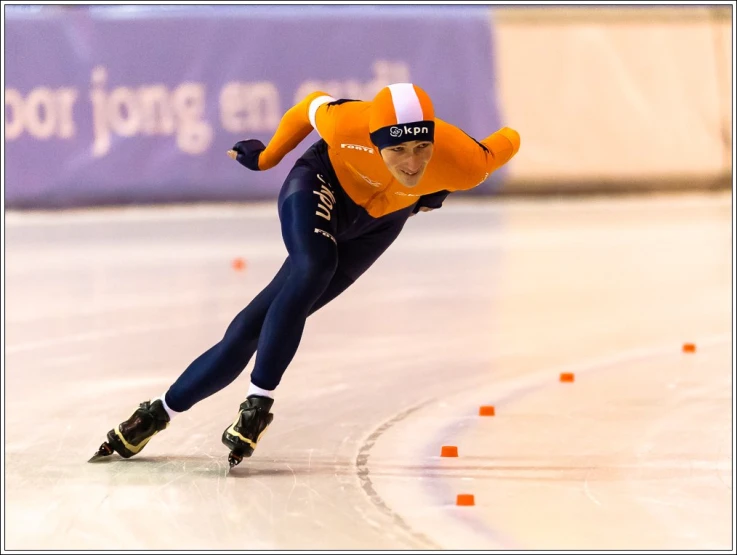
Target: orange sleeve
x=502 y=145
x=476 y=160
x=293 y=128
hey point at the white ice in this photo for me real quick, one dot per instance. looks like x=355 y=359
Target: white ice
x=477 y=303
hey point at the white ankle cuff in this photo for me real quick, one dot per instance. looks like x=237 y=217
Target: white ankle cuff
x=256 y=390
x=171 y=413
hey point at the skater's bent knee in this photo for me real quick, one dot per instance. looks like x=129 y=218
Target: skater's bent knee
x=315 y=270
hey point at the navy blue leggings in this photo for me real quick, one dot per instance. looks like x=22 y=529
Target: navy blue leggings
x=319 y=267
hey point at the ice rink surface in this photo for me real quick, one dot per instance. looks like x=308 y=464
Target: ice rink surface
x=479 y=303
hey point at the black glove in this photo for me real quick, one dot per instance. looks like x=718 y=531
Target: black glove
x=432 y=201
x=247 y=153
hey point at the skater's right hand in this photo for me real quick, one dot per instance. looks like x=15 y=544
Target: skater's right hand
x=247 y=153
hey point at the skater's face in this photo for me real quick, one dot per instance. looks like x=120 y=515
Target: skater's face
x=408 y=161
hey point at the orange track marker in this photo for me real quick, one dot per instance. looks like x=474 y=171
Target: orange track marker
x=238 y=264
x=449 y=451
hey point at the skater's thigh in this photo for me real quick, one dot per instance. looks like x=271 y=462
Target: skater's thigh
x=359 y=254
x=308 y=218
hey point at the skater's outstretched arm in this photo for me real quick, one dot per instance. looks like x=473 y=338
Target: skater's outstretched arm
x=293 y=128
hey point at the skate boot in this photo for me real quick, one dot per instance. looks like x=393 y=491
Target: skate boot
x=250 y=424
x=131 y=436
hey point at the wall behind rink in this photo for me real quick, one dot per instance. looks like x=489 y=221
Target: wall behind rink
x=616 y=98
x=138 y=105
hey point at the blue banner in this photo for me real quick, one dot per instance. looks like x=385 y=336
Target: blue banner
x=139 y=105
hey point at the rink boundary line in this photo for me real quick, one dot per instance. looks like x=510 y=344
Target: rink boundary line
x=364 y=475
x=520 y=387
x=544 y=377
x=263 y=209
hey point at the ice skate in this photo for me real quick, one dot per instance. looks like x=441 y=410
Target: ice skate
x=244 y=433
x=131 y=436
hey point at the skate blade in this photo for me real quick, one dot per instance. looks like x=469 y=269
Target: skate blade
x=234 y=459
x=103 y=453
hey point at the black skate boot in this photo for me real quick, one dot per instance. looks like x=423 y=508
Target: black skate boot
x=130 y=437
x=250 y=424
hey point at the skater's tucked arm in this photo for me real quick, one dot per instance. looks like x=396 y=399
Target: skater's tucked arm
x=478 y=159
x=296 y=124
x=501 y=145
x=484 y=157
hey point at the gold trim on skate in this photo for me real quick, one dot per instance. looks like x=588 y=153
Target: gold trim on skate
x=231 y=430
x=130 y=447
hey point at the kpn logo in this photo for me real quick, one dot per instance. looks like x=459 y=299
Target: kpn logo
x=396 y=131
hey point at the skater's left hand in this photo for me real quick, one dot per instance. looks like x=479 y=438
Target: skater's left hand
x=247 y=153
x=431 y=201
x=422 y=209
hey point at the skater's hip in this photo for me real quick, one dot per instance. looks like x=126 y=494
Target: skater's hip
x=335 y=212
